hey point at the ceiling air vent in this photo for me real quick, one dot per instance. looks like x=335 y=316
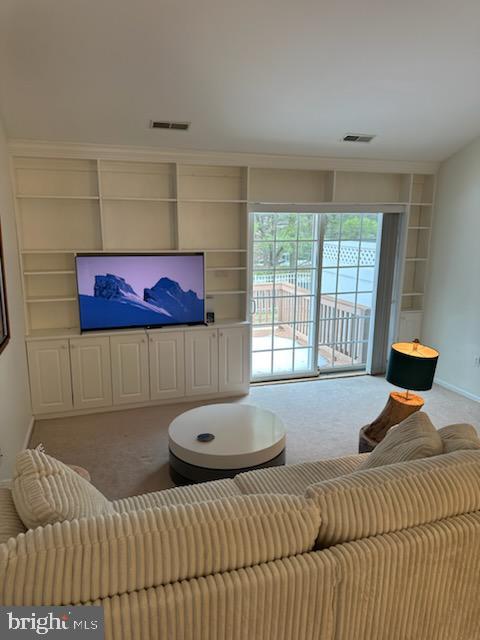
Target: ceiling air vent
x=358 y=137
x=165 y=124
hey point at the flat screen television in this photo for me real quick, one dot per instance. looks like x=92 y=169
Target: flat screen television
x=118 y=291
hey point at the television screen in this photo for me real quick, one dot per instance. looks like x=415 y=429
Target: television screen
x=118 y=291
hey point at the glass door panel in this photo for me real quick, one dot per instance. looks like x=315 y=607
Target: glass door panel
x=285 y=268
x=347 y=289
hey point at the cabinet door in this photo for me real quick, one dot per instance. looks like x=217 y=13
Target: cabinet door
x=201 y=362
x=91 y=377
x=233 y=351
x=129 y=368
x=50 y=383
x=167 y=365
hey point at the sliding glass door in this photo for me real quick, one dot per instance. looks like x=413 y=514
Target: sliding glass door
x=313 y=283
x=348 y=284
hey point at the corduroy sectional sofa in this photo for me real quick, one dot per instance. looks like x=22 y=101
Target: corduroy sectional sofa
x=328 y=550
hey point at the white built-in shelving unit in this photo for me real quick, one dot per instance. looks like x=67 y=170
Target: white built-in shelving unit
x=68 y=205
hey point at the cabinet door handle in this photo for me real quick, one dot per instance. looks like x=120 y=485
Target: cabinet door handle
x=221 y=334
x=214 y=335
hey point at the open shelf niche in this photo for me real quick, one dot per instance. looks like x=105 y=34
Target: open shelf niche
x=418 y=242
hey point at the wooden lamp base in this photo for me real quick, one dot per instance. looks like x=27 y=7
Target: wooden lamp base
x=399 y=406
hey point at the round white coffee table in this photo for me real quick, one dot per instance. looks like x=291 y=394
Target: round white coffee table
x=220 y=440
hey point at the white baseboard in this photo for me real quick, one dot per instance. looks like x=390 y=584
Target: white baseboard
x=461 y=392
x=29 y=433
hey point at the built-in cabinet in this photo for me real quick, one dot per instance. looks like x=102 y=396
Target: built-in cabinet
x=130 y=380
x=201 y=362
x=92 y=372
x=90 y=367
x=50 y=376
x=233 y=360
x=125 y=202
x=167 y=364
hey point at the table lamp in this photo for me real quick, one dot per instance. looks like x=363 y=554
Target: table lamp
x=411 y=366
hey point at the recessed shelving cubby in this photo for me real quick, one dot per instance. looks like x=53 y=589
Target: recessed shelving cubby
x=51 y=177
x=227 y=307
x=59 y=224
x=290 y=186
x=423 y=189
x=230 y=280
x=418 y=240
x=129 y=225
x=420 y=216
x=137 y=180
x=48 y=262
x=212 y=183
x=59 y=315
x=412 y=303
x=212 y=225
x=50 y=285
x=362 y=187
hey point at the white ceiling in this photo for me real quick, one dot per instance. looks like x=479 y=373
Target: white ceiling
x=264 y=76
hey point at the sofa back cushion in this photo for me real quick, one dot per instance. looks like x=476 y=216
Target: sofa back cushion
x=458 y=437
x=10 y=523
x=414 y=438
x=46 y=491
x=121 y=553
x=397 y=496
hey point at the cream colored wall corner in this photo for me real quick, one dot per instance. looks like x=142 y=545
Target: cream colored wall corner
x=15 y=411
x=452 y=304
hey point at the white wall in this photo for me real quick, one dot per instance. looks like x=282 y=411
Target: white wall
x=452 y=306
x=15 y=413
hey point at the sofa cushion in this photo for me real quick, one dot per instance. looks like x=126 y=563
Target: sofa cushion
x=458 y=437
x=296 y=478
x=46 y=491
x=121 y=553
x=10 y=523
x=414 y=438
x=179 y=495
x=397 y=496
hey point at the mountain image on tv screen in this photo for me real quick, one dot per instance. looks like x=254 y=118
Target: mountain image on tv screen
x=140 y=291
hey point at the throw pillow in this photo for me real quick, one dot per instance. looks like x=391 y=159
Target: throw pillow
x=414 y=438
x=46 y=491
x=458 y=437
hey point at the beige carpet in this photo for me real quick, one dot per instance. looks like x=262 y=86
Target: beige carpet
x=126 y=452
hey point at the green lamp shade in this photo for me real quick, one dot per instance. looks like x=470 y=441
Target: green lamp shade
x=412 y=366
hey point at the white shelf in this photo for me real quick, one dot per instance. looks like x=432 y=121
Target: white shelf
x=226 y=269
x=137 y=199
x=225 y=293
x=413 y=293
x=212 y=201
x=416 y=259
x=47 y=251
x=219 y=250
x=418 y=228
x=40 y=299
x=51 y=272
x=421 y=204
x=24 y=196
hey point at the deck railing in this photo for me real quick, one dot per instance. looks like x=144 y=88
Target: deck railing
x=340 y=324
